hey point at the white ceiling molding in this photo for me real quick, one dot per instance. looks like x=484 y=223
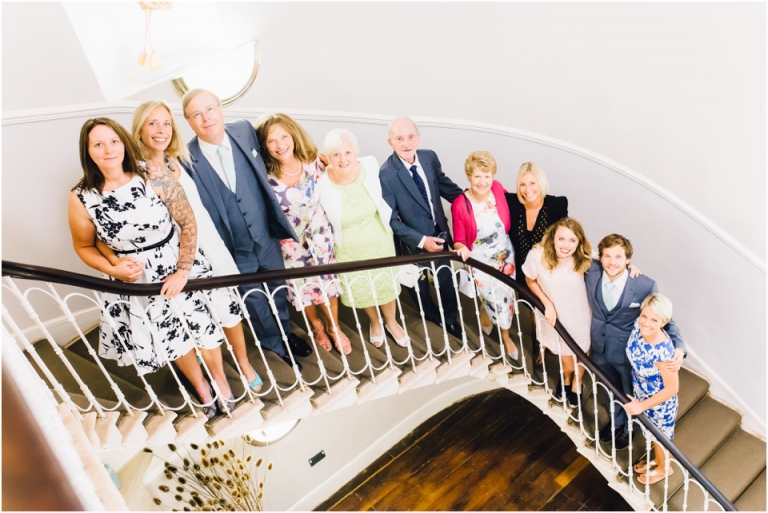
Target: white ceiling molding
x=112 y=38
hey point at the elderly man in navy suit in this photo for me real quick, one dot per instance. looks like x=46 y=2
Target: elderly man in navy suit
x=615 y=298
x=231 y=178
x=412 y=182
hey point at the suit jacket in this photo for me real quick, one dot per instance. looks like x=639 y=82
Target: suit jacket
x=330 y=197
x=610 y=330
x=242 y=135
x=411 y=217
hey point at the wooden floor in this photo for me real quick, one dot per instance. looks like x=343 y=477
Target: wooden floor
x=493 y=451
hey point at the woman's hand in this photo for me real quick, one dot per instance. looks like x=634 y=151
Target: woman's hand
x=463 y=252
x=634 y=407
x=127 y=269
x=550 y=314
x=634 y=271
x=173 y=284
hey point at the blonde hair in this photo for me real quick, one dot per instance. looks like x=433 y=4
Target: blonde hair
x=176 y=148
x=660 y=305
x=482 y=160
x=303 y=147
x=535 y=170
x=581 y=257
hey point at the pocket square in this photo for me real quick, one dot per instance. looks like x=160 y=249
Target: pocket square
x=634 y=305
x=254 y=153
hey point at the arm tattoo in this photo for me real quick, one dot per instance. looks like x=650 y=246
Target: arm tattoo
x=172 y=194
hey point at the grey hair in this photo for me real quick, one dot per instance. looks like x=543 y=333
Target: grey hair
x=190 y=95
x=402 y=118
x=335 y=138
x=660 y=305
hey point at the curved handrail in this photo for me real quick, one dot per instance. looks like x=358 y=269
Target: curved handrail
x=33 y=272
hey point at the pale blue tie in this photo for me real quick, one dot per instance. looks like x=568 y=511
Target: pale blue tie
x=228 y=165
x=609 y=295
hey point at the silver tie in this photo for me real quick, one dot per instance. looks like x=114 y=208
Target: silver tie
x=610 y=292
x=228 y=164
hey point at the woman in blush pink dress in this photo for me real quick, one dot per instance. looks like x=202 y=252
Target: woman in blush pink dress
x=554 y=270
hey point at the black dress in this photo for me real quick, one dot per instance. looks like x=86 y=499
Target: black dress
x=553 y=209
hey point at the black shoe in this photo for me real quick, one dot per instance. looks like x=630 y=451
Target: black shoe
x=298 y=346
x=287 y=360
x=605 y=433
x=573 y=399
x=454 y=330
x=622 y=440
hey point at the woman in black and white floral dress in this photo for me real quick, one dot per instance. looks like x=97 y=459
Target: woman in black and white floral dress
x=131 y=210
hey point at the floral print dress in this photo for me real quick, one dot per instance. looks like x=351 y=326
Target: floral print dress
x=130 y=218
x=315 y=245
x=494 y=248
x=647 y=381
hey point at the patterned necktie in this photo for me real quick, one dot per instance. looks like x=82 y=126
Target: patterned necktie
x=419 y=184
x=228 y=165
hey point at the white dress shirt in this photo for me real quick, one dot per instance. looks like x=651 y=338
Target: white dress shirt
x=618 y=286
x=210 y=152
x=420 y=171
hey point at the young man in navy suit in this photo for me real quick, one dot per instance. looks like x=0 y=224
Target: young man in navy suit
x=615 y=299
x=412 y=182
x=231 y=178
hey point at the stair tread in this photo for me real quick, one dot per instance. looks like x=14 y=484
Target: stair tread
x=753 y=498
x=698 y=438
x=735 y=464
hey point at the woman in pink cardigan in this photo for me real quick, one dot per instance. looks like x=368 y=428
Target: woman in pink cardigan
x=480 y=226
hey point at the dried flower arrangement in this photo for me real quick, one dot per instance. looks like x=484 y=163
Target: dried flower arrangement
x=212 y=478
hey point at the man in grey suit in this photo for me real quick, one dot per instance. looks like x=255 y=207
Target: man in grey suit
x=231 y=178
x=412 y=183
x=615 y=300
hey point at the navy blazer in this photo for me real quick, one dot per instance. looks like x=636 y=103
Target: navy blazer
x=610 y=331
x=242 y=135
x=411 y=216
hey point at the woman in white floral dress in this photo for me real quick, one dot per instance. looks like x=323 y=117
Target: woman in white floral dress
x=131 y=210
x=480 y=226
x=293 y=172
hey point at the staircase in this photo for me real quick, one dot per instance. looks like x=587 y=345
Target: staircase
x=708 y=432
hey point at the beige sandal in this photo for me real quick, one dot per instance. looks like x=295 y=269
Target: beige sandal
x=654 y=476
x=321 y=337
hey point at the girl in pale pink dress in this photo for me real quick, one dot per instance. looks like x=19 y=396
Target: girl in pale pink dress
x=554 y=271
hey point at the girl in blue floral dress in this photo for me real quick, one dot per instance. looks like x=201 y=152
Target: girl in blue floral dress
x=655 y=387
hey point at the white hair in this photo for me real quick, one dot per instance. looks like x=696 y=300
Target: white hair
x=402 y=118
x=335 y=138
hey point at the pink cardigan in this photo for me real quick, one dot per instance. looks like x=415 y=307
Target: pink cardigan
x=464 y=223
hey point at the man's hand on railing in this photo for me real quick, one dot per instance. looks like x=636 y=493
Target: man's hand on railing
x=127 y=269
x=676 y=362
x=173 y=284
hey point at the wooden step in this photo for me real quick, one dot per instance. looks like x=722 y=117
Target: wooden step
x=244 y=418
x=342 y=394
x=732 y=468
x=132 y=429
x=753 y=498
x=387 y=383
x=160 y=429
x=459 y=366
x=424 y=374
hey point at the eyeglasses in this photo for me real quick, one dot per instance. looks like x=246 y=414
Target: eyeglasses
x=197 y=116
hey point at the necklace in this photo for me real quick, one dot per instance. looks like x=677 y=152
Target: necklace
x=475 y=197
x=301 y=168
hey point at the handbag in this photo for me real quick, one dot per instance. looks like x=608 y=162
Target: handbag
x=467 y=283
x=408 y=274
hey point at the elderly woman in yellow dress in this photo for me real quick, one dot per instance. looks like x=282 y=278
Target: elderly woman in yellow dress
x=350 y=193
